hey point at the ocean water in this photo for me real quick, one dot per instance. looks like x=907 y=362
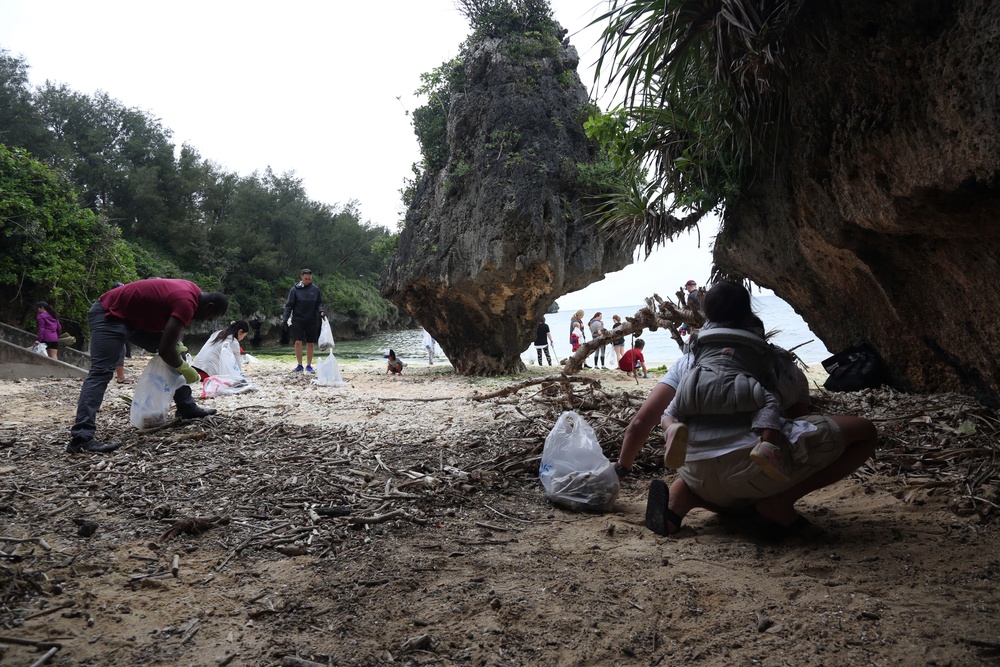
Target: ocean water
x=660 y=350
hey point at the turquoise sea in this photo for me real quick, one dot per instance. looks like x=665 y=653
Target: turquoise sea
x=660 y=348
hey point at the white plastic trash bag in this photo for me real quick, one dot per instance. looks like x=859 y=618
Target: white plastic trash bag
x=326 y=336
x=41 y=349
x=228 y=365
x=574 y=471
x=223 y=386
x=328 y=373
x=250 y=359
x=153 y=394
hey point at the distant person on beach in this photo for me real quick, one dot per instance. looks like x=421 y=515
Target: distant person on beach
x=303 y=311
x=49 y=328
x=393 y=365
x=718 y=475
x=633 y=360
x=733 y=373
x=576 y=336
x=617 y=344
x=209 y=359
x=693 y=300
x=596 y=326
x=576 y=319
x=429 y=345
x=543 y=338
x=152 y=313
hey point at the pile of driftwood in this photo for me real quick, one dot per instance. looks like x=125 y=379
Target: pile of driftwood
x=264 y=489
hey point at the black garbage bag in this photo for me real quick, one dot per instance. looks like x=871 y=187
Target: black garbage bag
x=857 y=367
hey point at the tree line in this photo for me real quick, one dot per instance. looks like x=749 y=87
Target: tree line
x=93 y=192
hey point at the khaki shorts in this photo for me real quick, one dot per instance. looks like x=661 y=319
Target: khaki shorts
x=733 y=480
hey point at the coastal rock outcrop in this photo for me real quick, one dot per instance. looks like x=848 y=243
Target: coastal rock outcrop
x=878 y=218
x=501 y=228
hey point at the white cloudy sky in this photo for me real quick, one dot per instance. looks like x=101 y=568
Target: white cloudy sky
x=318 y=87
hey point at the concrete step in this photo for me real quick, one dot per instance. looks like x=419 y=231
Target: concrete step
x=18 y=361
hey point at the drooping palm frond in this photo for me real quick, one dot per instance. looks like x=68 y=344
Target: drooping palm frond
x=703 y=82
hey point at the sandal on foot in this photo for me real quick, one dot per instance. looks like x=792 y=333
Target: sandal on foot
x=658 y=515
x=676 y=445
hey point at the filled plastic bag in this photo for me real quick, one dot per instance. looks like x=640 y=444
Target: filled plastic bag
x=214 y=385
x=574 y=471
x=153 y=394
x=250 y=359
x=40 y=349
x=228 y=365
x=328 y=373
x=326 y=335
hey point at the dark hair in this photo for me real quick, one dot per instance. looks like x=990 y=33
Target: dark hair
x=212 y=305
x=305 y=271
x=392 y=354
x=234 y=328
x=728 y=303
x=639 y=343
x=48 y=309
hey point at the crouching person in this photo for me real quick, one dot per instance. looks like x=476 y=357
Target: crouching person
x=153 y=314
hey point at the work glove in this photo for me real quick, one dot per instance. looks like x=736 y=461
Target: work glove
x=190 y=374
x=181 y=349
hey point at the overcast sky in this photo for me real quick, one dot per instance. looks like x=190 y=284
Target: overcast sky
x=318 y=87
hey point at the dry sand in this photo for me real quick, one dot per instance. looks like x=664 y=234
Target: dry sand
x=395 y=521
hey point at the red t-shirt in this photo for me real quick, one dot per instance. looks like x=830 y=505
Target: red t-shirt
x=629 y=359
x=147 y=305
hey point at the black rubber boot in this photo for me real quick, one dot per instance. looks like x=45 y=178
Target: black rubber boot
x=93 y=446
x=186 y=407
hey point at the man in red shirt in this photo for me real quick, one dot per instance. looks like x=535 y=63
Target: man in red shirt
x=153 y=314
x=632 y=360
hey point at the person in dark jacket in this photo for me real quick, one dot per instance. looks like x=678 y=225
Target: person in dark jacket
x=304 y=307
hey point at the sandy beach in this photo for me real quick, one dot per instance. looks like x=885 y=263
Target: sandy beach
x=399 y=520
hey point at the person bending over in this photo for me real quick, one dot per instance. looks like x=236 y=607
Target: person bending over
x=208 y=361
x=152 y=313
x=633 y=360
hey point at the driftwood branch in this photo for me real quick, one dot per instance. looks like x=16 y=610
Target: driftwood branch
x=562 y=378
x=657 y=314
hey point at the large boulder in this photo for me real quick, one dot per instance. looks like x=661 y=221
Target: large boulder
x=878 y=218
x=503 y=228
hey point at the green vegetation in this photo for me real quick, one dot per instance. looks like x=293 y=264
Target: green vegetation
x=703 y=90
x=94 y=192
x=529 y=33
x=52 y=245
x=503 y=18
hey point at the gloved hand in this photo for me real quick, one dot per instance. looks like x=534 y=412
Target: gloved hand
x=289 y=323
x=181 y=349
x=322 y=313
x=190 y=374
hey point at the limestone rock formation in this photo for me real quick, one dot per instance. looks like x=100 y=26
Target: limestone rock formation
x=499 y=232
x=878 y=220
